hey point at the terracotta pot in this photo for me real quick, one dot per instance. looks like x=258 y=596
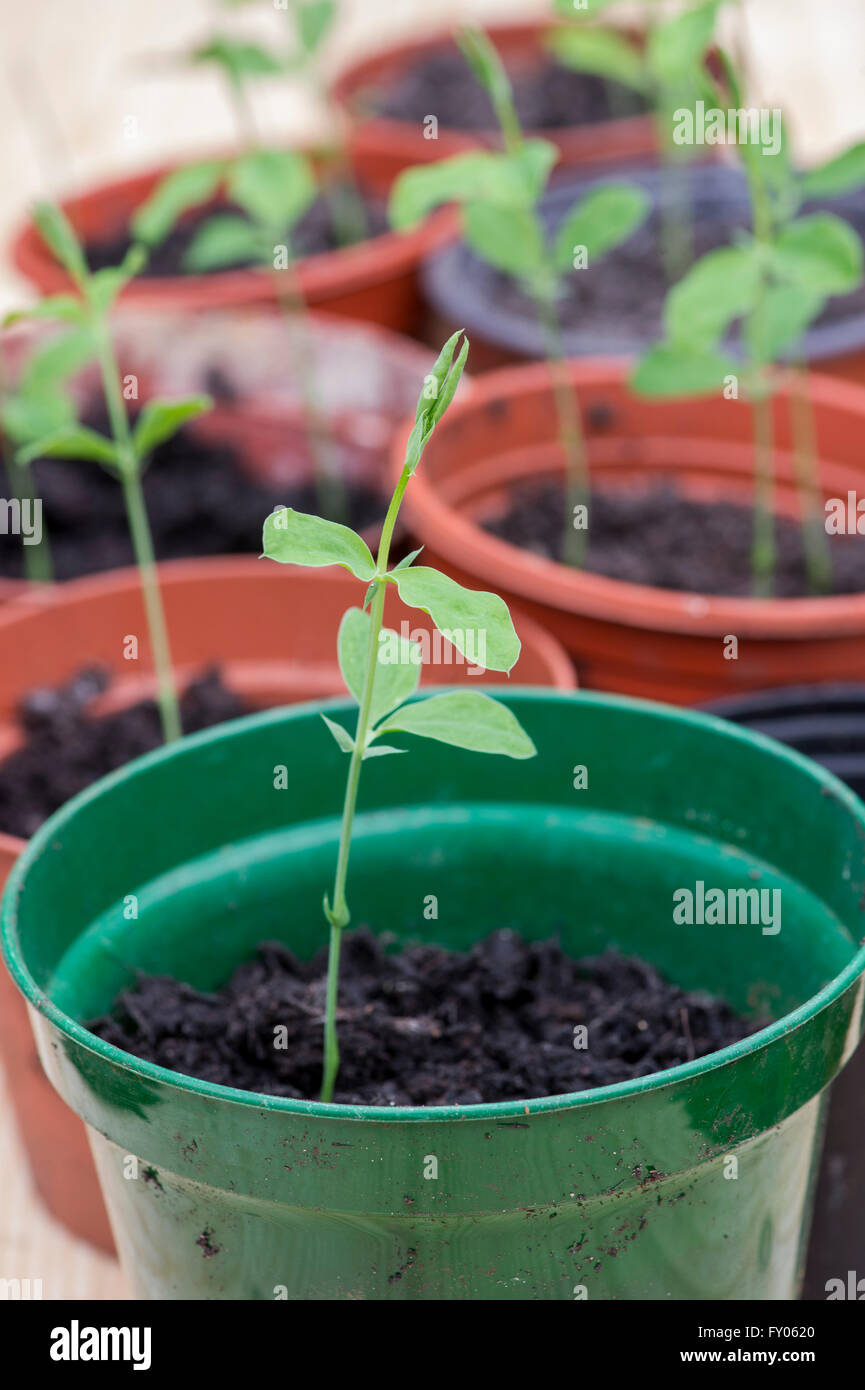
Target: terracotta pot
x=653 y=642
x=385 y=147
x=376 y=281
x=459 y=292
x=272 y=631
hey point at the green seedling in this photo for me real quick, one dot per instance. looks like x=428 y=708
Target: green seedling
x=500 y=194
x=776 y=280
x=124 y=452
x=381 y=669
x=669 y=72
x=242 y=62
x=36 y=405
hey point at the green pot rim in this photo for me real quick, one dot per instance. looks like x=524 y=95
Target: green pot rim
x=685 y=1071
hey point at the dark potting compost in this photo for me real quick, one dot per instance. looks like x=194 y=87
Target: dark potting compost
x=200 y=501
x=423 y=1025
x=66 y=747
x=661 y=538
x=547 y=95
x=315 y=234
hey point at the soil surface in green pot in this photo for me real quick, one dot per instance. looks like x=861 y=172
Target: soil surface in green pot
x=201 y=500
x=658 y=537
x=315 y=234
x=66 y=747
x=425 y=1026
x=547 y=95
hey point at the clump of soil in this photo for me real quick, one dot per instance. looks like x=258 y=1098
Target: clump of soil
x=200 y=501
x=425 y=1026
x=547 y=95
x=661 y=538
x=66 y=747
x=317 y=232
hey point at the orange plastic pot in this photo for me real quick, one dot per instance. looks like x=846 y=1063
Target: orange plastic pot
x=386 y=147
x=625 y=637
x=376 y=281
x=272 y=632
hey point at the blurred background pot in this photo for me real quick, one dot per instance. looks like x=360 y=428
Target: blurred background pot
x=634 y=1170
x=375 y=280
x=272 y=633
x=827 y=722
x=621 y=299
x=632 y=638
x=387 y=145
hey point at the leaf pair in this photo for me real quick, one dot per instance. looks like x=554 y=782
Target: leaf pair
x=674 y=51
x=472 y=621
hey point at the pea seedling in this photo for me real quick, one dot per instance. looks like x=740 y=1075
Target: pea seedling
x=35 y=405
x=124 y=452
x=669 y=73
x=500 y=194
x=776 y=279
x=382 y=685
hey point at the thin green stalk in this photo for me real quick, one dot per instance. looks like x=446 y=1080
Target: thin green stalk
x=339 y=915
x=142 y=541
x=818 y=557
x=571 y=432
x=676 y=214
x=568 y=415
x=763 y=551
x=763 y=542
x=37 y=561
x=38 y=564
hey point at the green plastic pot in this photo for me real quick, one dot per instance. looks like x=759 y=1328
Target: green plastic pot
x=625 y=1192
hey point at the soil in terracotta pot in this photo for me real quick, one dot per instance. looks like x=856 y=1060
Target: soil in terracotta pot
x=200 y=501
x=547 y=95
x=660 y=538
x=425 y=1026
x=66 y=748
x=315 y=234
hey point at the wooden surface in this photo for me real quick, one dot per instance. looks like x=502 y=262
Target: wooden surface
x=73 y=74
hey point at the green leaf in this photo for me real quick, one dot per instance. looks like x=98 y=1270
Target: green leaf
x=508 y=238
x=478 y=624
x=464 y=719
x=296 y=538
x=185 y=188
x=407 y=560
x=54 y=361
x=381 y=750
x=821 y=252
x=721 y=287
x=104 y=285
x=65 y=308
x=602 y=52
x=673 y=369
x=580 y=9
x=505 y=180
x=677 y=46
x=71 y=442
x=25 y=417
x=238 y=58
x=61 y=239
x=159 y=420
x=342 y=736
x=225 y=240
x=314 y=20
x=398 y=663
x=787 y=311
x=839 y=175
x=275 y=187
x=600 y=221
